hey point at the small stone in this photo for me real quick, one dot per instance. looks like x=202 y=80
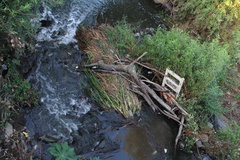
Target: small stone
x=181 y=145
x=199 y=144
x=210 y=125
x=155 y=152
x=165 y=150
x=137 y=35
x=8 y=130
x=204 y=138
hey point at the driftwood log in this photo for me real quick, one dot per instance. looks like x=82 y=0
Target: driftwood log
x=149 y=90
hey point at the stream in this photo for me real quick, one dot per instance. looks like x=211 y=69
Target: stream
x=65 y=111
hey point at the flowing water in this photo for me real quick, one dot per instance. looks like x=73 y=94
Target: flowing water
x=65 y=112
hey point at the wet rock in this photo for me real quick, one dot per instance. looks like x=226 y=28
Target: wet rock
x=185 y=156
x=48 y=139
x=4 y=70
x=219 y=122
x=204 y=138
x=46 y=23
x=210 y=125
x=199 y=144
x=205 y=157
x=8 y=130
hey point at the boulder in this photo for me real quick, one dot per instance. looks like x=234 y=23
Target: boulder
x=8 y=130
x=220 y=122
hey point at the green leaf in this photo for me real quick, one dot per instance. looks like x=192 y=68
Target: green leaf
x=58 y=147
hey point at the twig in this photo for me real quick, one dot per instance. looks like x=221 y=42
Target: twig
x=136 y=60
x=145 y=66
x=179 y=134
x=179 y=107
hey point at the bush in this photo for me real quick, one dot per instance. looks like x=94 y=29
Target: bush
x=211 y=100
x=199 y=63
x=231 y=139
x=15 y=18
x=212 y=19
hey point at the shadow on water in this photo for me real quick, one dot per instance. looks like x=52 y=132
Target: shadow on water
x=144 y=13
x=152 y=139
x=147 y=137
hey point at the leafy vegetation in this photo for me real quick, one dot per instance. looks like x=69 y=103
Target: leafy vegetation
x=122 y=37
x=215 y=20
x=200 y=63
x=94 y=158
x=65 y=152
x=203 y=64
x=62 y=151
x=17 y=39
x=231 y=137
x=15 y=94
x=109 y=90
x=212 y=19
x=115 y=95
x=15 y=18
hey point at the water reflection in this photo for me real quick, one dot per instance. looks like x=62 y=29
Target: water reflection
x=152 y=139
x=137 y=145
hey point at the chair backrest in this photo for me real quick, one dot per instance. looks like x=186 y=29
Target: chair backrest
x=172 y=81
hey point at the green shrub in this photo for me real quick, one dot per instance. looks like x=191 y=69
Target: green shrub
x=15 y=18
x=62 y=151
x=212 y=19
x=199 y=63
x=17 y=90
x=231 y=139
x=211 y=100
x=14 y=94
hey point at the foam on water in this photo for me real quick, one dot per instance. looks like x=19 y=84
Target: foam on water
x=66 y=19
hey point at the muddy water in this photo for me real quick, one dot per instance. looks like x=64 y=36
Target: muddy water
x=65 y=111
x=149 y=137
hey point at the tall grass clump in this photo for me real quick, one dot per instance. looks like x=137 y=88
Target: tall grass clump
x=111 y=92
x=121 y=36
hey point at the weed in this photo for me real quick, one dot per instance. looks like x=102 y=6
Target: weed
x=105 y=44
x=231 y=137
x=62 y=151
x=211 y=100
x=112 y=92
x=122 y=37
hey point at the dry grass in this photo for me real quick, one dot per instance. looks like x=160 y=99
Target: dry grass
x=95 y=43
